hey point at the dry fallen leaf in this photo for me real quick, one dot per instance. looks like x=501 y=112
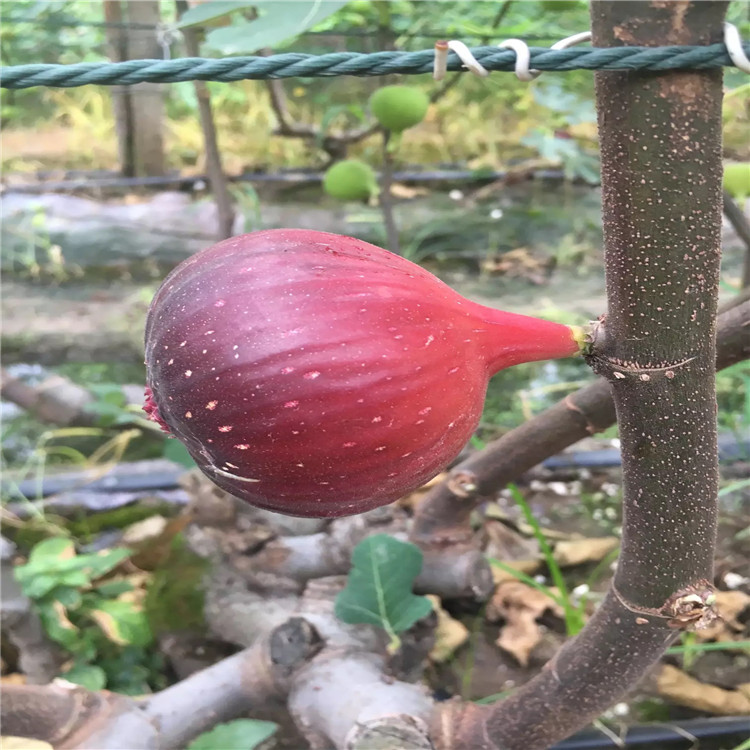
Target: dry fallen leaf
x=580 y=551
x=23 y=743
x=413 y=499
x=150 y=554
x=15 y=678
x=506 y=544
x=144 y=530
x=524 y=566
x=520 y=606
x=680 y=688
x=450 y=634
x=407 y=192
x=729 y=605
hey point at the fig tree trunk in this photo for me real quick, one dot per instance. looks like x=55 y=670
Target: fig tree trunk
x=661 y=180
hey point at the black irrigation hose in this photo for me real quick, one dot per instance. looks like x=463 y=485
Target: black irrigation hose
x=657 y=736
x=300 y=177
x=730 y=449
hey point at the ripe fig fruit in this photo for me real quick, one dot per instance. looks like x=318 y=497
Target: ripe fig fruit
x=318 y=375
x=397 y=108
x=350 y=180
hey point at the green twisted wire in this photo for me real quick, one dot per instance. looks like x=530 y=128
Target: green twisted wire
x=290 y=65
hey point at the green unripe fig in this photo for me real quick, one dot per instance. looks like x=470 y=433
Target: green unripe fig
x=350 y=180
x=397 y=108
x=737 y=179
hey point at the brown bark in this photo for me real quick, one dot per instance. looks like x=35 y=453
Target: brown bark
x=661 y=180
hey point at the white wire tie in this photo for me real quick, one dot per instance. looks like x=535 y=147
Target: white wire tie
x=164 y=37
x=523 y=58
x=523 y=53
x=440 y=66
x=733 y=42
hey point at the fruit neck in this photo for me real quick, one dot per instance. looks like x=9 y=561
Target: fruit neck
x=512 y=339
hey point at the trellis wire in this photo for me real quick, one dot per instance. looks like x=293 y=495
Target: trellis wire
x=291 y=65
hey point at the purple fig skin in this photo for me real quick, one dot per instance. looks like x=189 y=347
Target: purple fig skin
x=318 y=375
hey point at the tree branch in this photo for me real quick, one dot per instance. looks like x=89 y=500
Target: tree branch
x=442 y=516
x=74 y=718
x=334 y=145
x=386 y=197
x=348 y=699
x=214 y=170
x=661 y=179
x=232 y=686
x=736 y=217
x=287 y=562
x=287 y=127
x=57 y=400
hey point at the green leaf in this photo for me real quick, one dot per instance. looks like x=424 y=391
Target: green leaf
x=122 y=622
x=68 y=596
x=201 y=14
x=57 y=626
x=114 y=588
x=99 y=564
x=277 y=23
x=53 y=562
x=175 y=451
x=88 y=675
x=379 y=589
x=241 y=734
x=57 y=548
x=35 y=586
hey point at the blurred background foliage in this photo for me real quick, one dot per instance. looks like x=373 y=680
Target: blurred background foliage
x=481 y=123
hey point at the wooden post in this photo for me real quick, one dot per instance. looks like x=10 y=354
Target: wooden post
x=138 y=109
x=214 y=170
